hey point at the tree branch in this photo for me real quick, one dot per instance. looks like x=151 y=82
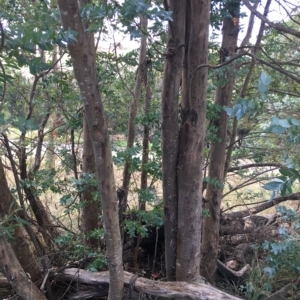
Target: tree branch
x=258 y=165
x=263 y=206
x=276 y=26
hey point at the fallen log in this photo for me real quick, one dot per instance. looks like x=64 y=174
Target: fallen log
x=94 y=293
x=283 y=293
x=175 y=290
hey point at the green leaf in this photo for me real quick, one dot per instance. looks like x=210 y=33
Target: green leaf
x=20 y=220
x=30 y=47
x=286 y=172
x=46 y=46
x=36 y=66
x=240 y=113
x=229 y=111
x=278 y=129
x=275 y=120
x=289 y=163
x=265 y=78
x=262 y=87
x=269 y=271
x=273 y=185
x=295 y=122
x=284 y=123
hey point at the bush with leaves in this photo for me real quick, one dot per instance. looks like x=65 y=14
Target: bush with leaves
x=281 y=262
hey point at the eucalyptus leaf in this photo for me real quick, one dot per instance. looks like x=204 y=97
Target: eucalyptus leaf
x=265 y=78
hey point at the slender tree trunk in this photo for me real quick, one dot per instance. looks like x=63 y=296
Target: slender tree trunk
x=41 y=214
x=170 y=129
x=146 y=136
x=15 y=275
x=20 y=246
x=210 y=242
x=145 y=157
x=90 y=210
x=191 y=141
x=84 y=63
x=133 y=108
x=56 y=121
x=250 y=72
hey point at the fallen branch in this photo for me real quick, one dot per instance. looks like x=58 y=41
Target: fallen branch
x=261 y=207
x=237 y=277
x=258 y=165
x=282 y=293
x=175 y=290
x=15 y=275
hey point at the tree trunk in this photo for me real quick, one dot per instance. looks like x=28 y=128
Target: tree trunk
x=170 y=130
x=20 y=245
x=248 y=77
x=214 y=192
x=191 y=141
x=41 y=214
x=146 y=136
x=134 y=107
x=16 y=276
x=84 y=63
x=90 y=210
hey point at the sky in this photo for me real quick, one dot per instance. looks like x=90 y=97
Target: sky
x=276 y=14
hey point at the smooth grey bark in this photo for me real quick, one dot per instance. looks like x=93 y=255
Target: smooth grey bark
x=83 y=57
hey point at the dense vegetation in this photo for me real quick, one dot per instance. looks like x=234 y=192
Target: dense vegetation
x=154 y=137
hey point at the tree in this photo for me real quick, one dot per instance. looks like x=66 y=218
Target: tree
x=83 y=56
x=134 y=107
x=20 y=245
x=183 y=151
x=216 y=172
x=90 y=210
x=243 y=151
x=14 y=273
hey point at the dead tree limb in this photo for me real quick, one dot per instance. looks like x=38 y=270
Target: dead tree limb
x=262 y=207
x=282 y=293
x=15 y=274
x=175 y=290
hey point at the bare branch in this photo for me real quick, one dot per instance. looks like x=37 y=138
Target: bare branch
x=263 y=206
x=258 y=165
x=276 y=26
